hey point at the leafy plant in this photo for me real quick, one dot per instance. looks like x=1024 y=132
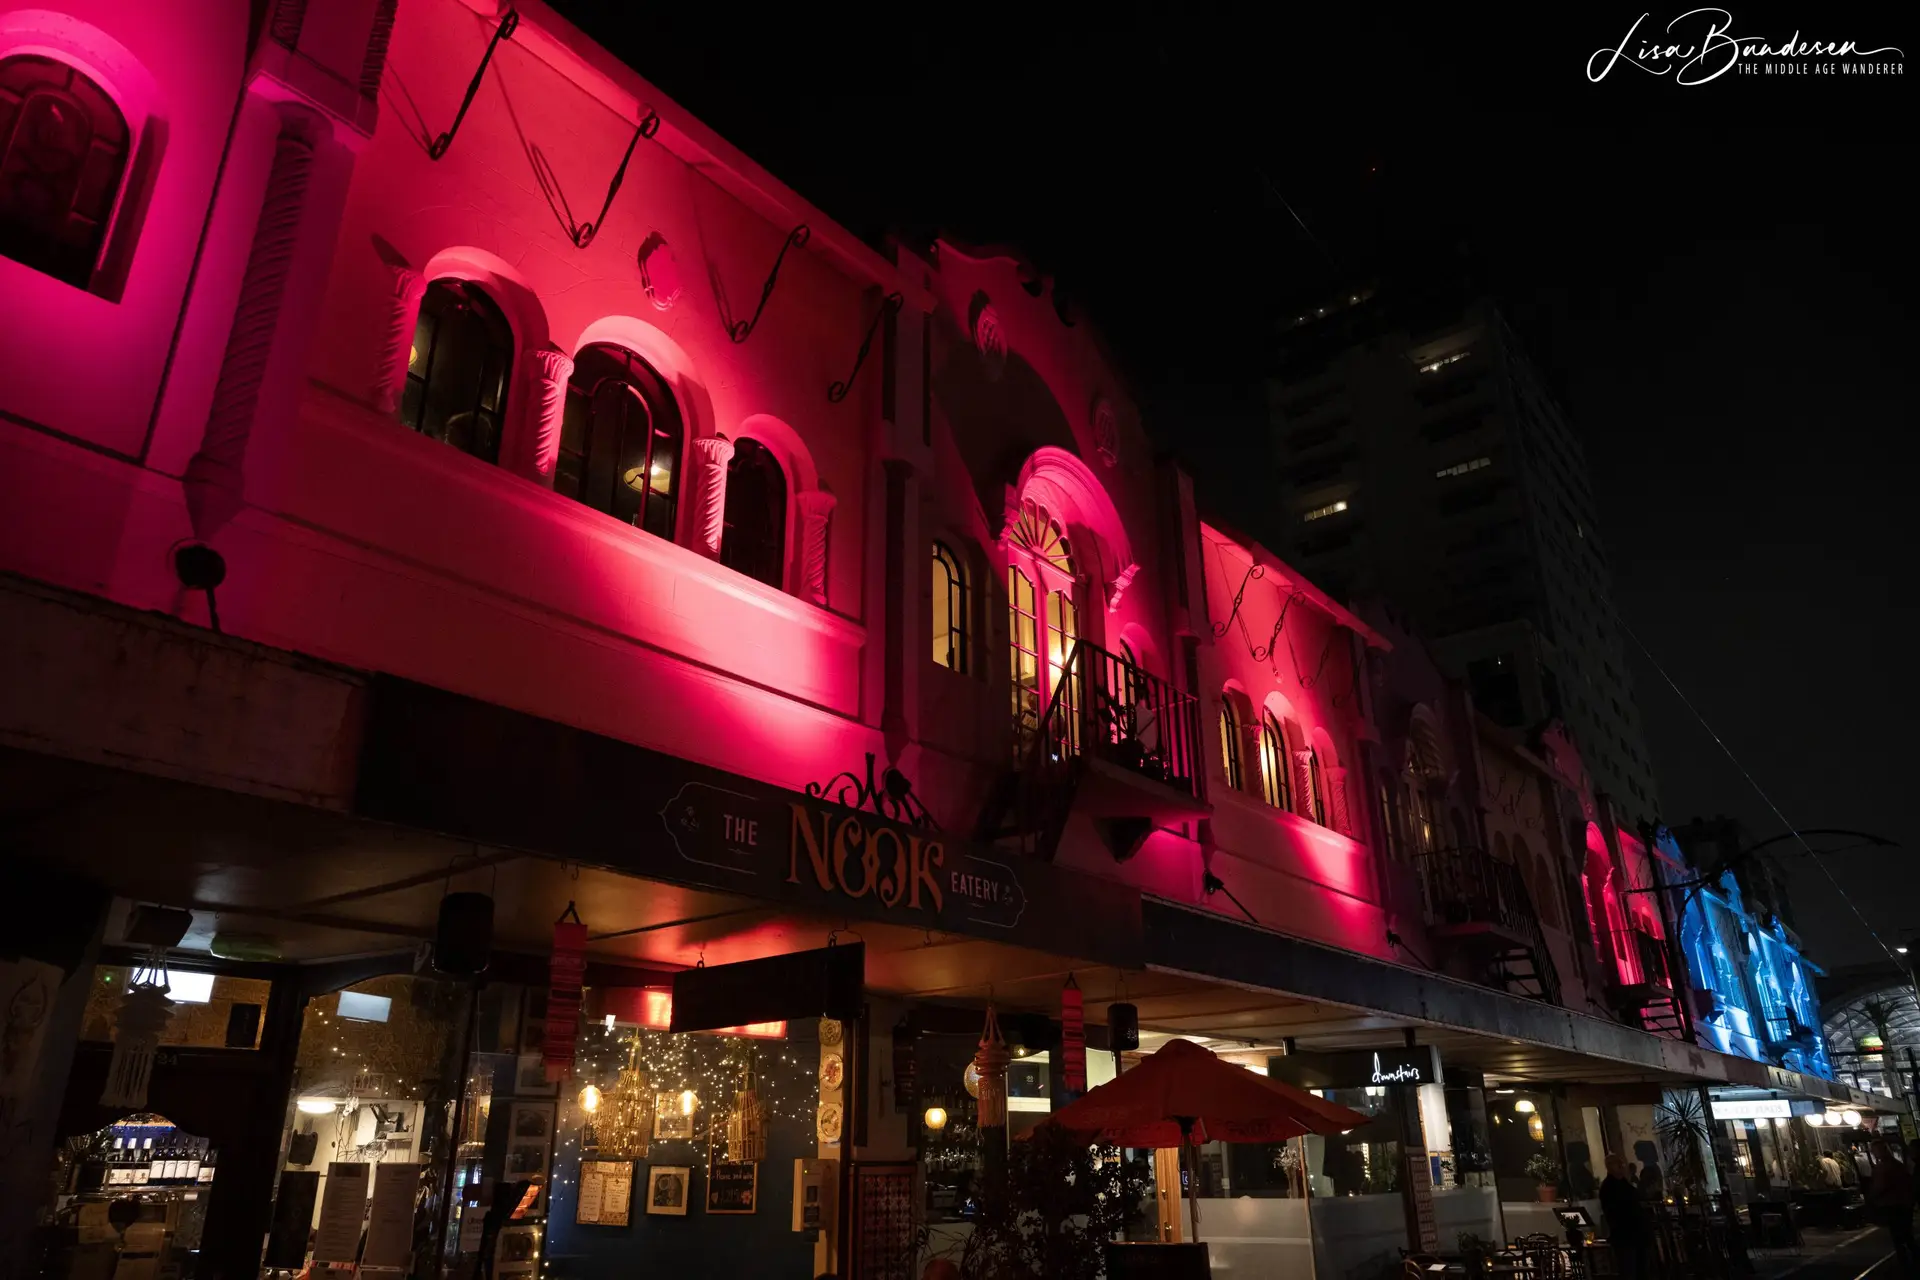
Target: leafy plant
x=1542 y=1169
x=1062 y=1202
x=1680 y=1123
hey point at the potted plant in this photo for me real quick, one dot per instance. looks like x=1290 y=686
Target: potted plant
x=1476 y=1255
x=1546 y=1176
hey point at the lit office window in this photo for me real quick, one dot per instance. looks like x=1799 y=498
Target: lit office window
x=1320 y=513
x=1462 y=468
x=1440 y=362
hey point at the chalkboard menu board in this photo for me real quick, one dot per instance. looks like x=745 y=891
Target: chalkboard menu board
x=883 y=1221
x=606 y=1193
x=733 y=1186
x=1420 y=1192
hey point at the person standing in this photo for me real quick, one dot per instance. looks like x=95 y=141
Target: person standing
x=1629 y=1229
x=1890 y=1192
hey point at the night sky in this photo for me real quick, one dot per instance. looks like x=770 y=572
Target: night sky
x=1716 y=280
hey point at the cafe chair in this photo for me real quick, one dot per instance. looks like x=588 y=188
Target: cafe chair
x=1416 y=1264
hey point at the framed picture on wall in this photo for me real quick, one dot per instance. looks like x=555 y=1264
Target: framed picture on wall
x=530 y=1122
x=669 y=1186
x=670 y=1123
x=530 y=1078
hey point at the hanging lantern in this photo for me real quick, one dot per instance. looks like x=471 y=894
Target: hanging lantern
x=144 y=1014
x=566 y=968
x=991 y=1062
x=747 y=1124
x=623 y=1124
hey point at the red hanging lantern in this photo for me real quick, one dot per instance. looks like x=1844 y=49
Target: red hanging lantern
x=566 y=969
x=1073 y=1040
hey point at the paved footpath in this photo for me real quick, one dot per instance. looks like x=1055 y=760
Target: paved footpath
x=1862 y=1254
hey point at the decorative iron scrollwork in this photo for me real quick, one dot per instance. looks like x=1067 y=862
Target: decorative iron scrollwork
x=892 y=799
x=1254 y=573
x=504 y=31
x=741 y=330
x=888 y=307
x=584 y=233
x=1263 y=652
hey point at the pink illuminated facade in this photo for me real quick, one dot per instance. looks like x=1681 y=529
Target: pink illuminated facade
x=706 y=476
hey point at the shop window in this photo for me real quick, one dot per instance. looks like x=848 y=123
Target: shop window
x=457 y=369
x=620 y=441
x=952 y=609
x=1230 y=744
x=63 y=154
x=1276 y=788
x=754 y=540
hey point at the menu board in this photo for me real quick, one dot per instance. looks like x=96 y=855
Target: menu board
x=606 y=1193
x=883 y=1221
x=390 y=1220
x=343 y=1207
x=733 y=1186
x=1420 y=1190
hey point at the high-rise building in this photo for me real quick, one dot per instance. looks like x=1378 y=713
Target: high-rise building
x=1422 y=459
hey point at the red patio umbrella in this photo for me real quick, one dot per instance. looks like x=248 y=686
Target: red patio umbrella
x=1183 y=1094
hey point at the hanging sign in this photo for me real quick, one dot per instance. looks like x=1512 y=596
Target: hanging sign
x=565 y=971
x=1405 y=1065
x=1073 y=1042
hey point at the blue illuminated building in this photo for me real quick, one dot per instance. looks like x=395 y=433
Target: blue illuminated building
x=1754 y=989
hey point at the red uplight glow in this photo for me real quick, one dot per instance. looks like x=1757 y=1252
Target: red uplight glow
x=653 y=1009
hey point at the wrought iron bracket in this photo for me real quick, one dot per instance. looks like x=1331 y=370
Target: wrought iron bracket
x=1265 y=651
x=583 y=234
x=741 y=330
x=1254 y=573
x=888 y=307
x=504 y=31
x=1307 y=682
x=892 y=799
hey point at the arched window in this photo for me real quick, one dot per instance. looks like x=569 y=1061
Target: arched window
x=63 y=152
x=1275 y=768
x=754 y=541
x=952 y=609
x=620 y=440
x=1316 y=798
x=1420 y=816
x=1040 y=578
x=1230 y=744
x=457 y=369
x=1024 y=638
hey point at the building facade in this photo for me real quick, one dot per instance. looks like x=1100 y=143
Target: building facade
x=1422 y=459
x=417 y=590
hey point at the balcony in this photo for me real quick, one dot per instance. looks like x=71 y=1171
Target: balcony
x=1115 y=743
x=1480 y=905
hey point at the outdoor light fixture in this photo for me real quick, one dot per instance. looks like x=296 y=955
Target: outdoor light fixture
x=317 y=1106
x=1816 y=1119
x=936 y=1118
x=1835 y=1119
x=1852 y=1119
x=590 y=1099
x=1524 y=1106
x=688 y=1102
x=1781 y=1122
x=1901 y=950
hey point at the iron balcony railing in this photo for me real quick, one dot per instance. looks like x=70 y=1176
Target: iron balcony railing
x=1470 y=886
x=1109 y=708
x=1640 y=953
x=1106 y=708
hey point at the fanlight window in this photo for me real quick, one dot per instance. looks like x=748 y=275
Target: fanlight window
x=1275 y=766
x=952 y=609
x=63 y=153
x=1040 y=535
